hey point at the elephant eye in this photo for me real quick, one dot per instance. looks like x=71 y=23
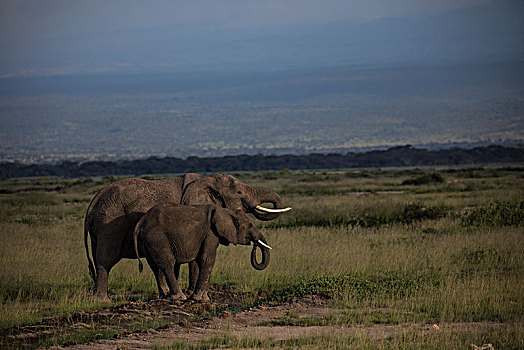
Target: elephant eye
x=239 y=192
x=250 y=225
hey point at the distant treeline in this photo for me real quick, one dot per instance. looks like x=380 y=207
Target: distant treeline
x=393 y=157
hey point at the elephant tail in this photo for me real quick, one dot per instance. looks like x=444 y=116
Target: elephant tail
x=135 y=240
x=92 y=272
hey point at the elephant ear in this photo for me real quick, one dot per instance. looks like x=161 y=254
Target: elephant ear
x=188 y=179
x=201 y=191
x=224 y=225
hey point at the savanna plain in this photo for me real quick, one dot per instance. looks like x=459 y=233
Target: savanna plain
x=367 y=259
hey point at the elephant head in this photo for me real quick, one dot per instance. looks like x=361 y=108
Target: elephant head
x=235 y=227
x=228 y=192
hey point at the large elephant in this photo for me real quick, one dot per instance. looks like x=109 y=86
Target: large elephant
x=173 y=234
x=115 y=210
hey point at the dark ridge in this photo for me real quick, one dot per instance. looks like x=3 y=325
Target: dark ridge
x=392 y=157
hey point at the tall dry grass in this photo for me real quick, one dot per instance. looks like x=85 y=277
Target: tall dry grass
x=361 y=236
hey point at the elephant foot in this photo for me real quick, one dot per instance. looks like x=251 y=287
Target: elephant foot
x=199 y=296
x=101 y=297
x=178 y=296
x=195 y=297
x=164 y=293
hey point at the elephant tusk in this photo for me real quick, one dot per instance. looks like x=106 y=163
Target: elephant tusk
x=267 y=210
x=263 y=244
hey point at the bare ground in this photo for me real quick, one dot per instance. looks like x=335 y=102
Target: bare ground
x=183 y=322
x=256 y=323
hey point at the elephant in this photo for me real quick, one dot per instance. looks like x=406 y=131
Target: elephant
x=116 y=209
x=171 y=234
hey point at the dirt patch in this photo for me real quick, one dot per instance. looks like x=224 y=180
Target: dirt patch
x=247 y=323
x=187 y=322
x=262 y=323
x=117 y=321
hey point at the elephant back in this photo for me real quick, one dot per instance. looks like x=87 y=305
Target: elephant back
x=132 y=198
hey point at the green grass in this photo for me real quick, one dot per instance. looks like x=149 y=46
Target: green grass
x=507 y=338
x=356 y=317
x=96 y=332
x=447 y=251
x=372 y=216
x=497 y=214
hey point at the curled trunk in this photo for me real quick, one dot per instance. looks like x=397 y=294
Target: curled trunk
x=265 y=196
x=265 y=257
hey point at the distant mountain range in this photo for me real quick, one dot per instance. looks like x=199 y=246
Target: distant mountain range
x=487 y=33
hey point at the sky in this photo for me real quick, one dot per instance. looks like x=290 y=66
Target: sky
x=33 y=20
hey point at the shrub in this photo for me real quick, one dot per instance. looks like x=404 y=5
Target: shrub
x=405 y=214
x=354 y=285
x=496 y=214
x=426 y=179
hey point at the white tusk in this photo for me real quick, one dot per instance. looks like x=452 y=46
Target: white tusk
x=263 y=244
x=267 y=210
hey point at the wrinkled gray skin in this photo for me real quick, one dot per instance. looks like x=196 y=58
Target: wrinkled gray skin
x=116 y=209
x=171 y=234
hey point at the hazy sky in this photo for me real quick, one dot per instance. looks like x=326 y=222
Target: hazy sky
x=27 y=20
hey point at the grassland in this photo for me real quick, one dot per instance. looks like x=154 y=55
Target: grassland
x=401 y=247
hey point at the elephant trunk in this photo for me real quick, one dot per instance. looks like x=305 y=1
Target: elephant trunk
x=262 y=244
x=267 y=214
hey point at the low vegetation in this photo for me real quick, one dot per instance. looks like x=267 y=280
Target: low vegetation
x=394 y=156
x=381 y=249
x=410 y=339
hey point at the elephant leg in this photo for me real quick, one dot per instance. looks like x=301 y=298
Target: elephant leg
x=175 y=291
x=177 y=275
x=168 y=269
x=177 y=270
x=193 y=277
x=106 y=257
x=205 y=263
x=163 y=288
x=102 y=274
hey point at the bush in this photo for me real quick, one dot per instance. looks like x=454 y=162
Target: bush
x=405 y=214
x=426 y=179
x=496 y=214
x=355 y=285
x=415 y=211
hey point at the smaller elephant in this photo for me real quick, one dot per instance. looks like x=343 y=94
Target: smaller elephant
x=172 y=234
